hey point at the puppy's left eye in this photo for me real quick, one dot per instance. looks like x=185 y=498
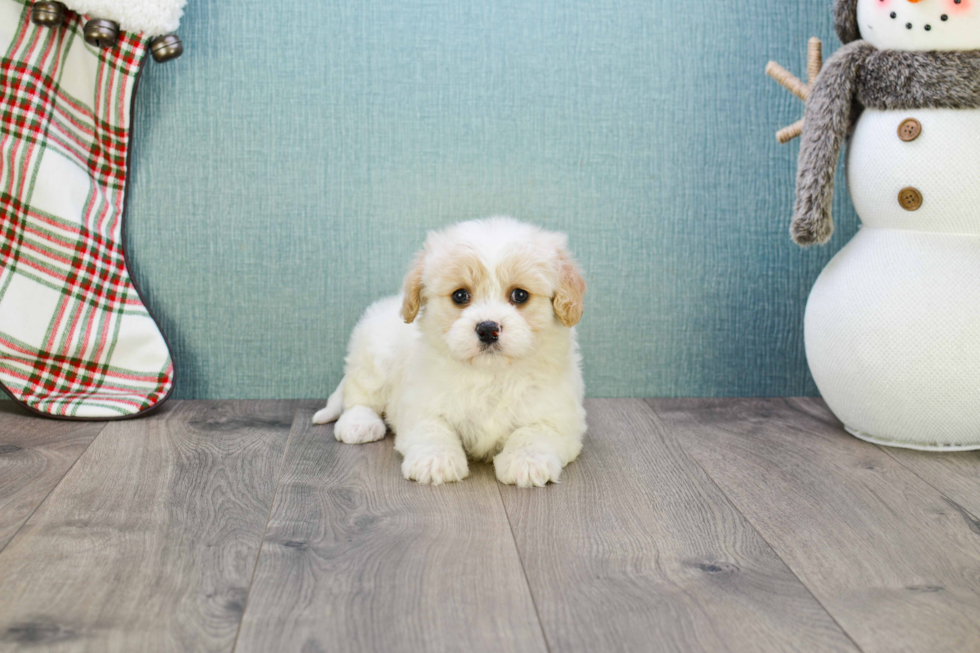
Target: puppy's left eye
x=519 y=295
x=461 y=296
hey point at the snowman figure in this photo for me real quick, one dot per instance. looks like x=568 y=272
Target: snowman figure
x=892 y=325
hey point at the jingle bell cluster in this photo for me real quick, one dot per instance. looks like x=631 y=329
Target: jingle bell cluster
x=101 y=33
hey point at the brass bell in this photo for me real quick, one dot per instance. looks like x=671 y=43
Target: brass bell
x=101 y=33
x=167 y=47
x=48 y=14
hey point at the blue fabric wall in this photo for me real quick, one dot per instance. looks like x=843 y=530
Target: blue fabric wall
x=290 y=163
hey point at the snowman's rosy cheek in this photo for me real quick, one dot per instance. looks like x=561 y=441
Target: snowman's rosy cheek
x=955 y=7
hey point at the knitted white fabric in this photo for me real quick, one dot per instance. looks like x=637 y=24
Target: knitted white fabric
x=943 y=163
x=893 y=323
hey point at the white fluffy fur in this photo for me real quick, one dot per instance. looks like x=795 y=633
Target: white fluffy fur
x=152 y=17
x=447 y=398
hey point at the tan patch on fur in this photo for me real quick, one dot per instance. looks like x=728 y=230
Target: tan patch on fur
x=464 y=270
x=412 y=301
x=569 y=299
x=523 y=269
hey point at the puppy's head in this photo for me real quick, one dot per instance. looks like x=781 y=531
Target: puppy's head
x=491 y=289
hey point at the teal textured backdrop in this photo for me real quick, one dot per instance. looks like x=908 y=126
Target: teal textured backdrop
x=289 y=164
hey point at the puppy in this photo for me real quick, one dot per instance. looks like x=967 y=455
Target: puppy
x=477 y=357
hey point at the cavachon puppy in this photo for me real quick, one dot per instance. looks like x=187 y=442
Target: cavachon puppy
x=477 y=357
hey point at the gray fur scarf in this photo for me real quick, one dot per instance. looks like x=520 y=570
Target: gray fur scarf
x=861 y=76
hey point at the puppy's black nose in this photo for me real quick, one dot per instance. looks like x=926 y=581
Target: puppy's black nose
x=488 y=332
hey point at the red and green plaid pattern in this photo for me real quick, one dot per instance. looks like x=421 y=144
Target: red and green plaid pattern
x=76 y=340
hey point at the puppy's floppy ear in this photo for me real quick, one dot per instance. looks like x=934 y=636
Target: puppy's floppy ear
x=569 y=299
x=413 y=289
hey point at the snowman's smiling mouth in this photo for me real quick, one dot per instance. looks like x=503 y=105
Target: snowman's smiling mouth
x=928 y=26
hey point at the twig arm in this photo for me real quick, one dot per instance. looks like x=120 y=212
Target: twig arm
x=788 y=80
x=814 y=59
x=786 y=134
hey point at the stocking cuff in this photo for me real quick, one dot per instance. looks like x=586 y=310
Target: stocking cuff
x=151 y=17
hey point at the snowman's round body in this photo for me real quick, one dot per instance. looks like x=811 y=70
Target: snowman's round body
x=892 y=326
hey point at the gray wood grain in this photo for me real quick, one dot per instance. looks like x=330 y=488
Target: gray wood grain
x=358 y=559
x=637 y=550
x=955 y=474
x=150 y=540
x=34 y=455
x=896 y=562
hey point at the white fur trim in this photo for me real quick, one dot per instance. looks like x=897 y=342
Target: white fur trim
x=152 y=17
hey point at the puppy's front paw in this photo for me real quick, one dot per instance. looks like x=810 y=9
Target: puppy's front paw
x=359 y=424
x=435 y=465
x=528 y=467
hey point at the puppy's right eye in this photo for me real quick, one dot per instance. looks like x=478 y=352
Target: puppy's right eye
x=461 y=296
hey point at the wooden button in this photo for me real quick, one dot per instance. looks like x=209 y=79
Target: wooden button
x=909 y=130
x=910 y=199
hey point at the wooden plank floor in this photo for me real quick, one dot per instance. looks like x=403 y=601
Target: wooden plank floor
x=34 y=455
x=686 y=525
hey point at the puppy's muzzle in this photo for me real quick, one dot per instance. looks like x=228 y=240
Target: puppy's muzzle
x=488 y=332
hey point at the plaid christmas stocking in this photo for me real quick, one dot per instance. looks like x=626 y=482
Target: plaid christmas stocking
x=76 y=340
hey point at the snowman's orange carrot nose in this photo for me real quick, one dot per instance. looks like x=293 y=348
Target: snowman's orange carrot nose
x=914 y=1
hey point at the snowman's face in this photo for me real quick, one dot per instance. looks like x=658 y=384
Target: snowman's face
x=920 y=25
